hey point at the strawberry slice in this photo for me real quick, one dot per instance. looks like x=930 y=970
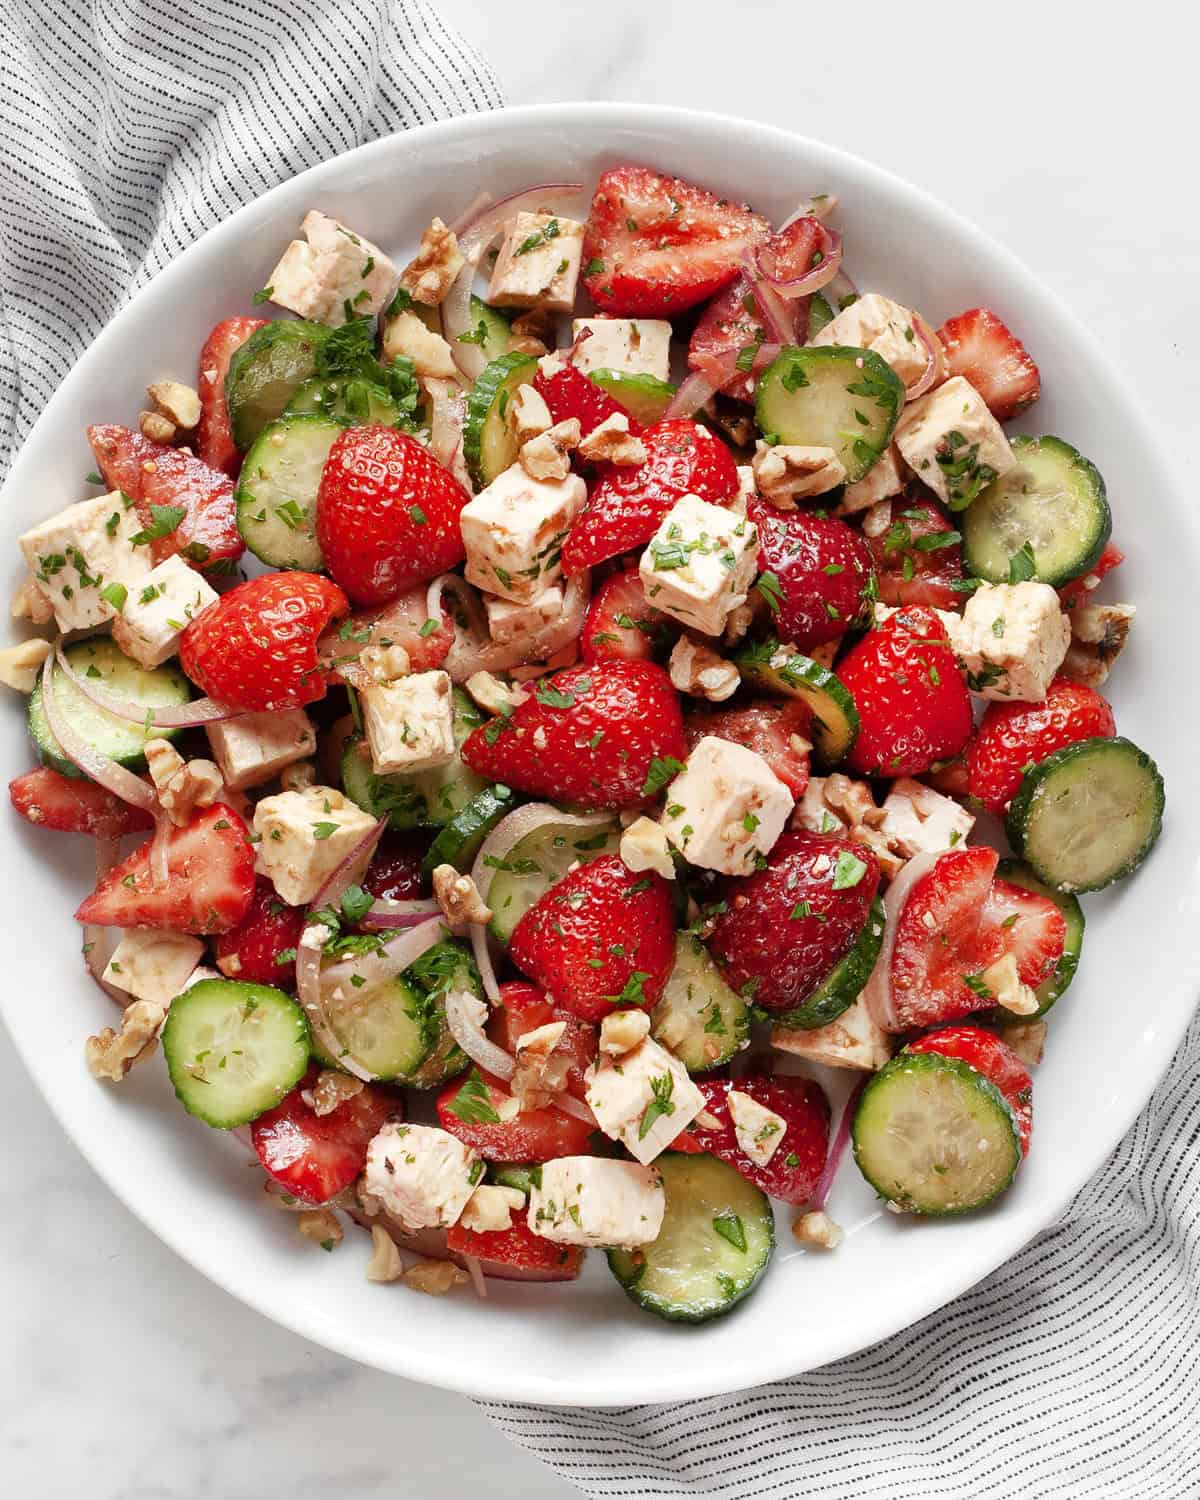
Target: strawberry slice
x=1030 y=927
x=569 y=393
x=523 y=1008
x=776 y=730
x=68 y=805
x=988 y=1054
x=1079 y=589
x=799 y=1157
x=516 y=1254
x=626 y=505
x=394 y=873
x=656 y=245
x=314 y=1156
x=587 y=734
x=980 y=347
x=621 y=621
x=821 y=566
x=918 y=558
x=210 y=880
x=601 y=937
x=404 y=622
x=187 y=507
x=473 y=1109
x=214 y=442
x=1013 y=736
x=261 y=949
x=730 y=322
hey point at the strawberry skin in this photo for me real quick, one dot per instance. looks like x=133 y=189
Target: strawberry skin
x=656 y=245
x=153 y=475
x=987 y=1054
x=1077 y=591
x=1012 y=736
x=980 y=347
x=918 y=558
x=771 y=728
x=214 y=441
x=730 y=322
x=251 y=951
x=47 y=799
x=822 y=566
x=394 y=873
x=1029 y=926
x=569 y=393
x=587 y=735
x=601 y=937
x=314 y=1156
x=910 y=694
x=210 y=884
x=622 y=623
x=402 y=622
x=516 y=1253
x=533 y=1135
x=387 y=514
x=799 y=1158
x=626 y=505
x=256 y=647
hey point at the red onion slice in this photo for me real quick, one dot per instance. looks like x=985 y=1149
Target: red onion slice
x=352 y=868
x=812 y=280
x=98 y=942
x=820 y=206
x=840 y=288
x=386 y=915
x=933 y=351
x=106 y=773
x=470 y=1036
x=820 y=1194
x=775 y=313
x=396 y=955
x=483 y=961
x=577 y=1109
x=877 y=995
x=474 y=650
x=475 y=1272
x=160 y=851
x=186 y=715
x=715 y=373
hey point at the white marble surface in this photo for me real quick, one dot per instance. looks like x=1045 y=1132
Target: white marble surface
x=1064 y=129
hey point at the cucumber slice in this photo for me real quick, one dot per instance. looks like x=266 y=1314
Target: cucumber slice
x=1054 y=502
x=1017 y=873
x=490 y=329
x=422 y=799
x=699 y=1018
x=521 y=1178
x=1087 y=815
x=119 y=739
x=537 y=862
x=352 y=402
x=696 y=1270
x=820 y=314
x=489 y=444
x=446 y=966
x=266 y=372
x=234 y=1050
x=933 y=1136
x=838 y=991
x=644 y=397
x=782 y=669
x=458 y=842
x=277 y=491
x=831 y=397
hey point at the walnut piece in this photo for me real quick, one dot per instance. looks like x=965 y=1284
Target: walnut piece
x=434 y=269
x=1098 y=636
x=110 y=1054
x=385 y=1263
x=320 y=1225
x=789 y=472
x=1028 y=1041
x=818 y=1231
x=494 y=695
x=459 y=897
x=178 y=403
x=156 y=428
x=547 y=456
x=490 y=1208
x=698 y=670
x=20 y=665
x=30 y=603
x=182 y=786
x=434 y=1277
x=612 y=443
x=838 y=804
x=298 y=777
x=527 y=414
x=333 y=1089
x=541 y=1072
x=623 y=1030
x=1005 y=984
x=385 y=663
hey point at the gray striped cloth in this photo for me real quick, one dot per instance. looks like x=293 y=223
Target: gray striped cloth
x=127 y=128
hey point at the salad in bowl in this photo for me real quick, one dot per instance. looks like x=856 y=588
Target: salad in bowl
x=541 y=707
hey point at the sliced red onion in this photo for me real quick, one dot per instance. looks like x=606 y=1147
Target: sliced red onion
x=483 y=961
x=106 y=773
x=812 y=280
x=775 y=312
x=840 y=288
x=877 y=995
x=475 y=1272
x=397 y=954
x=577 y=343
x=308 y=990
x=933 y=352
x=718 y=369
x=98 y=942
x=512 y=829
x=471 y=1038
x=820 y=206
x=577 y=1109
x=160 y=851
x=474 y=650
x=448 y=413
x=820 y=1194
x=388 y=915
x=184 y=716
x=352 y=868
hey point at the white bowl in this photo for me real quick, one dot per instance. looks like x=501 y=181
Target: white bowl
x=1111 y=1037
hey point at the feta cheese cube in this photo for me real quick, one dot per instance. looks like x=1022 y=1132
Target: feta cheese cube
x=1011 y=639
x=253 y=748
x=157 y=612
x=409 y=722
x=854 y=1040
x=952 y=443
x=406 y=335
x=631 y=346
x=883 y=326
x=589 y=1200
x=305 y=836
x=700 y=563
x=332 y=274
x=513 y=532
x=644 y=1100
x=726 y=807
x=153 y=965
x=883 y=480
x=759 y=1131
x=421 y=1175
x=509 y=623
x=84 y=556
x=21 y=665
x=538 y=264
x=918 y=820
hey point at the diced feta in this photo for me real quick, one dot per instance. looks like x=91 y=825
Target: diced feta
x=952 y=443
x=509 y=623
x=726 y=808
x=1011 y=639
x=332 y=274
x=409 y=722
x=747 y=488
x=21 y=665
x=854 y=1040
x=421 y=1175
x=157 y=612
x=644 y=1100
x=513 y=532
x=83 y=557
x=631 y=346
x=538 y=264
x=918 y=820
x=884 y=327
x=305 y=836
x=406 y=336
x=644 y=847
x=153 y=965
x=759 y=1131
x=253 y=748
x=700 y=563
x=589 y=1200
x=883 y=480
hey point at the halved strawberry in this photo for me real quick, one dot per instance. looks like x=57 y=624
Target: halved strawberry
x=774 y=729
x=918 y=558
x=731 y=321
x=210 y=884
x=621 y=622
x=516 y=1254
x=261 y=949
x=981 y=347
x=394 y=873
x=990 y=1055
x=1013 y=736
x=569 y=393
x=186 y=506
x=404 y=622
x=799 y=1157
x=530 y=1135
x=523 y=1008
x=1030 y=927
x=314 y=1156
x=820 y=566
x=68 y=805
x=1079 y=589
x=214 y=443
x=657 y=245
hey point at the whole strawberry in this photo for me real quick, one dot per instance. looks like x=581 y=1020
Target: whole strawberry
x=817 y=569
x=588 y=735
x=261 y=949
x=387 y=514
x=1013 y=736
x=599 y=938
x=627 y=504
x=256 y=647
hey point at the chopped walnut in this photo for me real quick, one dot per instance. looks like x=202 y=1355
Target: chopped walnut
x=1098 y=636
x=524 y=344
x=385 y=1263
x=156 y=428
x=836 y=804
x=818 y=1231
x=385 y=663
x=566 y=657
x=547 y=456
x=536 y=324
x=1028 y=1041
x=434 y=269
x=542 y=1040
x=490 y=1208
x=434 y=1277
x=110 y=1054
x=459 y=897
x=30 y=603
x=21 y=664
x=494 y=695
x=333 y=1089
x=541 y=1072
x=320 y=1225
x=623 y=1030
x=298 y=777
x=644 y=846
x=177 y=402
x=527 y=414
x=789 y=472
x=182 y=786
x=1003 y=980
x=697 y=669
x=613 y=443
x=737 y=622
